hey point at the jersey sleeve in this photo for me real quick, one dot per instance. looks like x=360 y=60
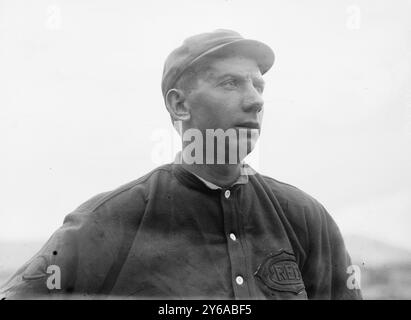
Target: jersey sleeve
x=67 y=259
x=84 y=256
x=327 y=271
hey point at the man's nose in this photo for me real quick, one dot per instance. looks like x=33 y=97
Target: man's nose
x=253 y=100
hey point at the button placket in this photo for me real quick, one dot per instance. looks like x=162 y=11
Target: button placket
x=239 y=280
x=234 y=246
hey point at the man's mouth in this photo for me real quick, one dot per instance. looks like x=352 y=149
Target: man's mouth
x=249 y=125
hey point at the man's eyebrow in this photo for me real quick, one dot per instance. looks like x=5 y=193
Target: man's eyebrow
x=256 y=79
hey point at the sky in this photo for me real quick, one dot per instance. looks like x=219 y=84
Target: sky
x=81 y=110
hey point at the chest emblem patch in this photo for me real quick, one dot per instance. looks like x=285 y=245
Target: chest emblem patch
x=279 y=271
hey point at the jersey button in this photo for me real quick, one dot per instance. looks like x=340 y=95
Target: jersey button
x=239 y=280
x=227 y=194
x=233 y=237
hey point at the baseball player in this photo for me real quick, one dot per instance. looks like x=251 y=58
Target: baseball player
x=206 y=225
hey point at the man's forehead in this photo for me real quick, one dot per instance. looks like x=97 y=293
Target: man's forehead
x=235 y=65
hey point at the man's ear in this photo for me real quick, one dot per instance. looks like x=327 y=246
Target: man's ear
x=175 y=99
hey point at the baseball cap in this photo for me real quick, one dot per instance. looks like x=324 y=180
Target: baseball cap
x=222 y=42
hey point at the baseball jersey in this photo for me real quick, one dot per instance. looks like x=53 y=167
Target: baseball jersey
x=171 y=235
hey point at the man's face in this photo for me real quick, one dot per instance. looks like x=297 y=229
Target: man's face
x=228 y=95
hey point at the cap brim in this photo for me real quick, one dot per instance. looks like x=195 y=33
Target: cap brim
x=256 y=50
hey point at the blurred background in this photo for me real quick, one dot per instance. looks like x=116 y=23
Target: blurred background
x=81 y=112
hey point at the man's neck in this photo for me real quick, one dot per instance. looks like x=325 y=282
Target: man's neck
x=222 y=175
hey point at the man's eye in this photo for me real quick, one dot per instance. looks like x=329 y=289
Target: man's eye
x=230 y=84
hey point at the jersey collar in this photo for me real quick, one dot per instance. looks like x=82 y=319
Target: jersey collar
x=242 y=179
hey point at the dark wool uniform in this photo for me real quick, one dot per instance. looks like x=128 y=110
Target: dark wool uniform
x=169 y=234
